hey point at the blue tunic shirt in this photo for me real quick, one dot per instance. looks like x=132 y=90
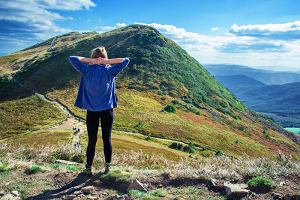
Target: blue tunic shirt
x=97 y=85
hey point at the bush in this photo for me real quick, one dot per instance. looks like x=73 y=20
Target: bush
x=175 y=145
x=33 y=169
x=190 y=148
x=169 y=108
x=219 y=153
x=260 y=184
x=3 y=167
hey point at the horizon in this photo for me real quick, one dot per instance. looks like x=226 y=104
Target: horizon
x=225 y=34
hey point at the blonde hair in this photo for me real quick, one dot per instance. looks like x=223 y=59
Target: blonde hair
x=99 y=52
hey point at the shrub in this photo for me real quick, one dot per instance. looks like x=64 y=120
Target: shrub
x=219 y=153
x=260 y=184
x=175 y=145
x=3 y=167
x=190 y=148
x=33 y=169
x=169 y=108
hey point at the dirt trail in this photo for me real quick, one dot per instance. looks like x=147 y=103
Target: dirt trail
x=77 y=124
x=71 y=122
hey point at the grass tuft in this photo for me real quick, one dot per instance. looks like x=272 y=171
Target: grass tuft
x=33 y=169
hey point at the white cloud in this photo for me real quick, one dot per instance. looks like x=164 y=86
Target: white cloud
x=66 y=5
x=285 y=31
x=35 y=20
x=102 y=29
x=235 y=49
x=213 y=29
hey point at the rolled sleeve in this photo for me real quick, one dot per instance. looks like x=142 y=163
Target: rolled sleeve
x=117 y=68
x=79 y=66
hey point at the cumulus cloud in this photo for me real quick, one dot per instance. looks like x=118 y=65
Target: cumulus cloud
x=238 y=49
x=26 y=22
x=213 y=29
x=102 y=29
x=252 y=47
x=285 y=31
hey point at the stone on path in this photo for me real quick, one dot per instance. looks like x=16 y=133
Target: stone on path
x=136 y=185
x=70 y=197
x=66 y=162
x=10 y=197
x=88 y=190
x=236 y=190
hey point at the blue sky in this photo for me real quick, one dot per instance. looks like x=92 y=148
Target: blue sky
x=259 y=33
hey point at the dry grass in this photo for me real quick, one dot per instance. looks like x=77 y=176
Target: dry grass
x=218 y=167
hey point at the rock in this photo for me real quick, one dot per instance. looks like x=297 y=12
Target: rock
x=70 y=197
x=77 y=192
x=66 y=162
x=276 y=195
x=2 y=193
x=236 y=190
x=10 y=197
x=287 y=197
x=120 y=197
x=91 y=197
x=216 y=186
x=88 y=189
x=281 y=183
x=15 y=193
x=104 y=193
x=71 y=190
x=136 y=185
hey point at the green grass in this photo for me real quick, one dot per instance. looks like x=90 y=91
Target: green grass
x=159 y=74
x=27 y=114
x=153 y=194
x=118 y=176
x=260 y=181
x=3 y=167
x=188 y=192
x=33 y=169
x=146 y=117
x=68 y=167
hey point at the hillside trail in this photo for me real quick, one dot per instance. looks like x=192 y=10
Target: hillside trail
x=77 y=124
x=72 y=121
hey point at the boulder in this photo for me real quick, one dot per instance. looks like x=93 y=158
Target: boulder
x=88 y=190
x=70 y=197
x=236 y=190
x=66 y=162
x=10 y=197
x=276 y=195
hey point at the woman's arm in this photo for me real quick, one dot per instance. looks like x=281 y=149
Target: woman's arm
x=111 y=61
x=88 y=60
x=101 y=60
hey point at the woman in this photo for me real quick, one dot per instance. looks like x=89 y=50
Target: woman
x=97 y=95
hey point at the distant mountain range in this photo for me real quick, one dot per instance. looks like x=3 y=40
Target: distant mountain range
x=252 y=86
x=267 y=77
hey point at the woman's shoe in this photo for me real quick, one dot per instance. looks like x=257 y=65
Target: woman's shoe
x=88 y=170
x=107 y=168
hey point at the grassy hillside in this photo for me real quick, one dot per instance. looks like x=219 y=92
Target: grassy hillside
x=160 y=74
x=26 y=115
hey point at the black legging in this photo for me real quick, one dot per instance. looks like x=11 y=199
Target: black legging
x=92 y=122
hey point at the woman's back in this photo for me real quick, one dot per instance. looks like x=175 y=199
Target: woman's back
x=97 y=85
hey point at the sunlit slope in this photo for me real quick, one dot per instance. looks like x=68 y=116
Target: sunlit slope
x=160 y=73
